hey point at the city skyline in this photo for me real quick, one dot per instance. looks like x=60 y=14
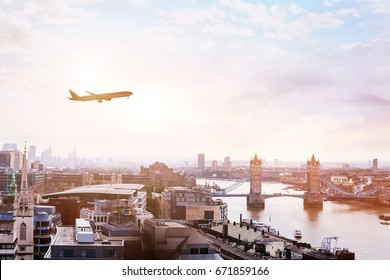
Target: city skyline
x=229 y=77
x=72 y=159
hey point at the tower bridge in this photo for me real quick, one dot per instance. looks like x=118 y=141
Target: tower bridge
x=313 y=197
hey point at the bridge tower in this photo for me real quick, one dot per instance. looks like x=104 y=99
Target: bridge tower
x=313 y=197
x=255 y=198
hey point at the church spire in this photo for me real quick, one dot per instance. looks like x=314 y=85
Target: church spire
x=24 y=183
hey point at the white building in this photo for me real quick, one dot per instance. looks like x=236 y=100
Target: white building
x=100 y=218
x=338 y=180
x=272 y=246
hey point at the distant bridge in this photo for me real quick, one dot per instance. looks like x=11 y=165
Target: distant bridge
x=337 y=193
x=221 y=194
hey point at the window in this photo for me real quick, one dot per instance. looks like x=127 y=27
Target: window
x=23 y=232
x=88 y=253
x=204 y=250
x=194 y=251
x=208 y=215
x=44 y=224
x=67 y=253
x=7 y=246
x=7 y=257
x=110 y=254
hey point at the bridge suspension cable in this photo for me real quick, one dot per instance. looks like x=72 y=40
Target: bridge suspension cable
x=329 y=185
x=235 y=185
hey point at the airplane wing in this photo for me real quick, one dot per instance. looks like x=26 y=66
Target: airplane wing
x=90 y=93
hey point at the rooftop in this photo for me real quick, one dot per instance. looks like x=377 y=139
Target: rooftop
x=112 y=189
x=66 y=237
x=161 y=222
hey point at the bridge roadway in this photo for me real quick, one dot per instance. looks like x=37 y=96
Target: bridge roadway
x=339 y=193
x=326 y=196
x=247 y=194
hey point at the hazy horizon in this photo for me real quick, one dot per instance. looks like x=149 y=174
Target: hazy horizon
x=283 y=79
x=191 y=160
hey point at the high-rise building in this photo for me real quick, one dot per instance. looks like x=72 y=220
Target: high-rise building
x=375 y=165
x=47 y=156
x=214 y=165
x=201 y=160
x=227 y=164
x=5 y=159
x=9 y=146
x=32 y=153
x=11 y=159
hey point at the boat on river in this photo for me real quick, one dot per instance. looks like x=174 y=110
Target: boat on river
x=384 y=217
x=298 y=234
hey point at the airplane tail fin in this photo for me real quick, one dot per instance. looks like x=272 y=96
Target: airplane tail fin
x=74 y=95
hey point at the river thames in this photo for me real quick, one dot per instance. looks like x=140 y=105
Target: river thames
x=356 y=224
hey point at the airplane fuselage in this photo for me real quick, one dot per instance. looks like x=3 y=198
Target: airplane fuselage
x=99 y=97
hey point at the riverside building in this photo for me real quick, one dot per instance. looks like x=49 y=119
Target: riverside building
x=191 y=204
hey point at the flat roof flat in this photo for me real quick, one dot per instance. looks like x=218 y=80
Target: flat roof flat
x=116 y=189
x=66 y=237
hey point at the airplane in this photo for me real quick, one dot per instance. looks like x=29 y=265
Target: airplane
x=99 y=97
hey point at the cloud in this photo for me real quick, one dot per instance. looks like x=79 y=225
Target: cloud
x=221 y=29
x=289 y=22
x=139 y=3
x=278 y=22
x=194 y=72
x=372 y=100
x=191 y=17
x=330 y=3
x=375 y=6
x=20 y=20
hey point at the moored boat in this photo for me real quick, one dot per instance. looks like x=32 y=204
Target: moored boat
x=297 y=234
x=384 y=217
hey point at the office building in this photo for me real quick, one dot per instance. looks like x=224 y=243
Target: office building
x=214 y=165
x=9 y=146
x=160 y=174
x=8 y=237
x=201 y=161
x=172 y=240
x=189 y=204
x=32 y=153
x=82 y=242
x=227 y=163
x=375 y=165
x=98 y=201
x=131 y=193
x=12 y=159
x=46 y=219
x=68 y=207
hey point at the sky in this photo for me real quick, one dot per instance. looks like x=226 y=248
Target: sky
x=283 y=79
